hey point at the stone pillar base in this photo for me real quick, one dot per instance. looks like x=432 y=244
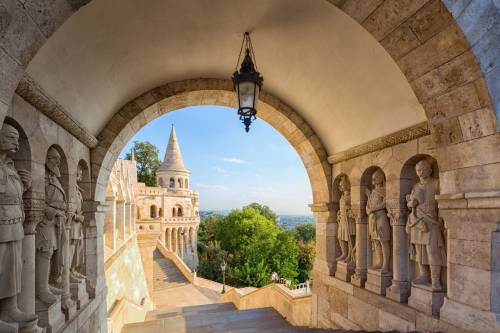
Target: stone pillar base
x=31 y=327
x=468 y=317
x=359 y=279
x=425 y=300
x=344 y=271
x=377 y=281
x=50 y=316
x=70 y=309
x=399 y=291
x=79 y=292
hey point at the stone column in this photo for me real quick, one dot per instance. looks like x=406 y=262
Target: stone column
x=359 y=277
x=94 y=212
x=162 y=235
x=34 y=213
x=110 y=224
x=120 y=219
x=181 y=243
x=174 y=240
x=128 y=218
x=472 y=225
x=326 y=238
x=400 y=287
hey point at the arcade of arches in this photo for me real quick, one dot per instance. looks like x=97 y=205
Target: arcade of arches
x=392 y=106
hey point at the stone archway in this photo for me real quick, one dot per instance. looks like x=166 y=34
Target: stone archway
x=172 y=96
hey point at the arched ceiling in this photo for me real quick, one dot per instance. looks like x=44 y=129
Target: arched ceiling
x=313 y=57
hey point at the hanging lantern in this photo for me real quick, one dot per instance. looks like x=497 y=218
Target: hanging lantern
x=247 y=83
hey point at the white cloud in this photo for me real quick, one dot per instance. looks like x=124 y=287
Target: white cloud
x=221 y=171
x=233 y=160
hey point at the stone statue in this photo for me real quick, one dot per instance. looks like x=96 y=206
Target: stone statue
x=346 y=226
x=50 y=231
x=13 y=183
x=425 y=229
x=378 y=223
x=76 y=254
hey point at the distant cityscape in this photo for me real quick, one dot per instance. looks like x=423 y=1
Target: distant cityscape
x=287 y=221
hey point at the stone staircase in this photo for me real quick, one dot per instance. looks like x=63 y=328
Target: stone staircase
x=218 y=318
x=166 y=274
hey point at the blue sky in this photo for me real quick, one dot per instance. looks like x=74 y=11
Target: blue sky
x=231 y=168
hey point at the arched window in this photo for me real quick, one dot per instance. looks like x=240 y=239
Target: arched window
x=179 y=211
x=172 y=182
x=152 y=211
x=160 y=212
x=174 y=213
x=179 y=181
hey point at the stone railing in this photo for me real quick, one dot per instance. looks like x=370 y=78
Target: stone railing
x=295 y=308
x=191 y=276
x=125 y=311
x=301 y=288
x=182 y=219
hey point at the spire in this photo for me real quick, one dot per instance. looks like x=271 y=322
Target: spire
x=173 y=158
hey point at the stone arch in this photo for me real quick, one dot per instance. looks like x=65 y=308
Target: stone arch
x=171 y=182
x=172 y=96
x=152 y=211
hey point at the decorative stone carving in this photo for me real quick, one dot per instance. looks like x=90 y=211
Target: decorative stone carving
x=50 y=232
x=378 y=223
x=347 y=230
x=13 y=183
x=76 y=254
x=424 y=228
x=76 y=251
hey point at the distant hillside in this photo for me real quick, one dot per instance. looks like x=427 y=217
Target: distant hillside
x=287 y=221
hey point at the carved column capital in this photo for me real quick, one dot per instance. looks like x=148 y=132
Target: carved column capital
x=397 y=216
x=33 y=210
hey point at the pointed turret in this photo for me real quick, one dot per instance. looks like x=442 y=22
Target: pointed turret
x=173 y=157
x=172 y=172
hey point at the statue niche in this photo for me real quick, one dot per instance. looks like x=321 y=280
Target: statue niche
x=13 y=183
x=378 y=223
x=76 y=253
x=50 y=233
x=425 y=229
x=346 y=226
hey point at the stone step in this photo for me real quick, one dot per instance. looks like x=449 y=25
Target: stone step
x=211 y=322
x=190 y=310
x=166 y=274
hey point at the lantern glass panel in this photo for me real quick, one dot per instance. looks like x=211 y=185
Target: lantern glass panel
x=247 y=91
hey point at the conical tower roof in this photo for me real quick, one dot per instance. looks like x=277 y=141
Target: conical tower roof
x=173 y=157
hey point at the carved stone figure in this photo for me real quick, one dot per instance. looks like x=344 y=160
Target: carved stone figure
x=76 y=254
x=346 y=226
x=13 y=183
x=425 y=229
x=378 y=223
x=50 y=231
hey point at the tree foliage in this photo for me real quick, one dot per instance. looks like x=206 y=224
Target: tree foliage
x=305 y=232
x=146 y=156
x=264 y=211
x=254 y=246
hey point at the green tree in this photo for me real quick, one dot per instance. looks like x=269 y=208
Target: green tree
x=146 y=155
x=253 y=245
x=305 y=232
x=264 y=211
x=305 y=259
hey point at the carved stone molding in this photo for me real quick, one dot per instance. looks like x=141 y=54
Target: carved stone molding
x=34 y=94
x=405 y=135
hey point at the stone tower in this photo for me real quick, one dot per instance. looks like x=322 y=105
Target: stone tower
x=172 y=173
